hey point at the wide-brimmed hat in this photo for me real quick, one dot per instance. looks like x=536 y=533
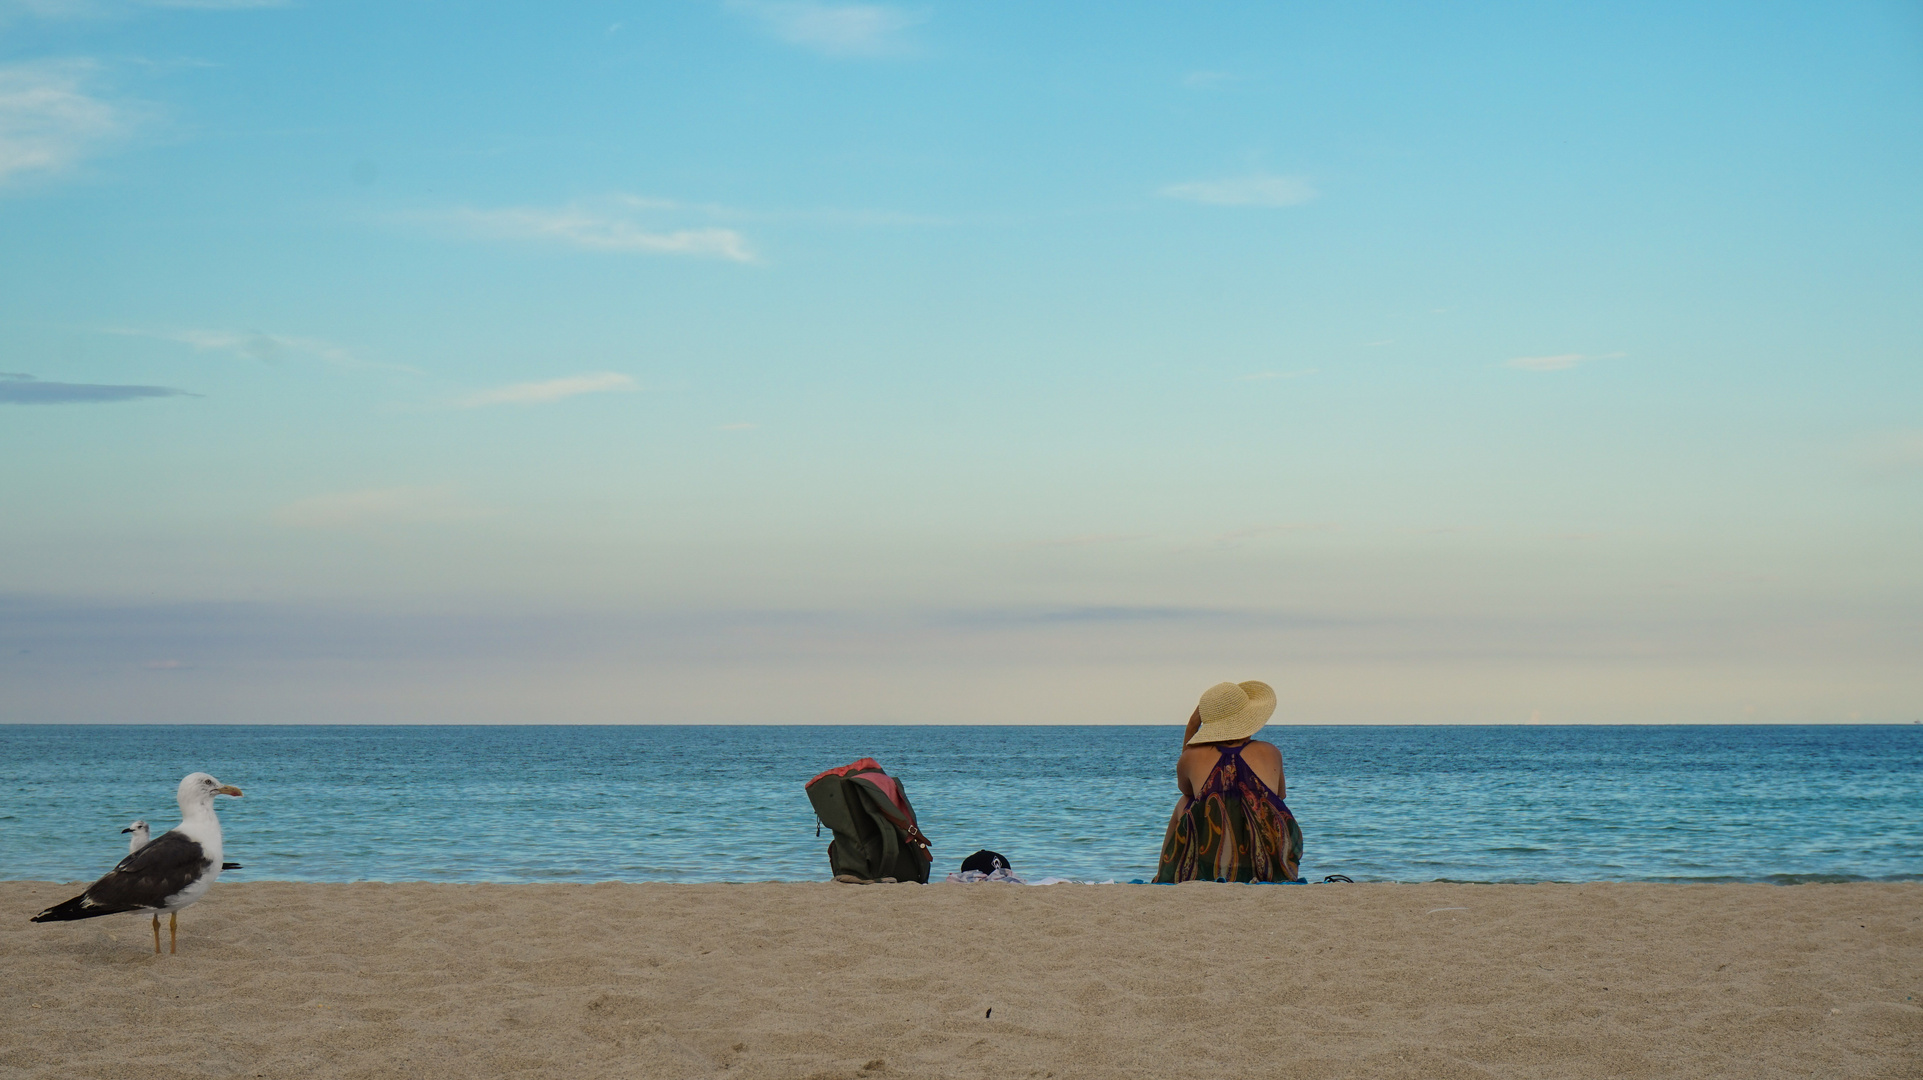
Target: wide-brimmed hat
x=1232 y=711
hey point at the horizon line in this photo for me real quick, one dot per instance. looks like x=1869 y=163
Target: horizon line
x=911 y=724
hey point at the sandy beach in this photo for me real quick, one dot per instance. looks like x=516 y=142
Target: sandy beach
x=804 y=980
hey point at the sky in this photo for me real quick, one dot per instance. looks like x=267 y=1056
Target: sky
x=810 y=362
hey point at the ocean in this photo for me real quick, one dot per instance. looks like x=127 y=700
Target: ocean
x=580 y=804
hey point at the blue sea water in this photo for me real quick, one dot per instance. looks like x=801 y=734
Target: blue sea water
x=1712 y=803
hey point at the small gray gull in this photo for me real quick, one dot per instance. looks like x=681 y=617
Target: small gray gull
x=139 y=840
x=172 y=871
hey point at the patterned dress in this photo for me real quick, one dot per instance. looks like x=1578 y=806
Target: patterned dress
x=1236 y=829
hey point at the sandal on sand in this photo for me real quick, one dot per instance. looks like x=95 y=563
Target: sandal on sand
x=1333 y=878
x=850 y=879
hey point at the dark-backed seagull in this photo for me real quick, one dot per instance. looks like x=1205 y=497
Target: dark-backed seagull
x=174 y=870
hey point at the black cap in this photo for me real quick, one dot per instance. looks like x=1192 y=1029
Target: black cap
x=986 y=862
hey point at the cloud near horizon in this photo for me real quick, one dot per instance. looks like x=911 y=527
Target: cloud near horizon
x=378 y=506
x=608 y=227
x=534 y=393
x=47 y=120
x=1558 y=362
x=1284 y=528
x=1260 y=189
x=17 y=388
x=837 y=30
x=1083 y=540
x=1894 y=452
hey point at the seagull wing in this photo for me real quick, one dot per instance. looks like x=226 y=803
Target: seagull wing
x=144 y=879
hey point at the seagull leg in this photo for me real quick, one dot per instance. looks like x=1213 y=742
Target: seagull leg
x=156 y=933
x=173 y=932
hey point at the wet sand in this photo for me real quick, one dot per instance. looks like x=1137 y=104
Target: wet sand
x=803 y=980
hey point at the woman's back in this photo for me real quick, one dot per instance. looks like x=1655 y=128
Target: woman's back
x=1197 y=763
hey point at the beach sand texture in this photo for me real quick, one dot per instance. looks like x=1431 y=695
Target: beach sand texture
x=803 y=980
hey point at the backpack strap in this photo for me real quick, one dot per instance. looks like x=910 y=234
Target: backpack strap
x=890 y=838
x=880 y=798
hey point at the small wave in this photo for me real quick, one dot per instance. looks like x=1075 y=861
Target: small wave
x=1787 y=879
x=1767 y=879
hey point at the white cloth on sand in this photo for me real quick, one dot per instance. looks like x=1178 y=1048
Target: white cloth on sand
x=975 y=877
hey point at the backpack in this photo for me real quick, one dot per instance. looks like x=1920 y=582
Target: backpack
x=875 y=831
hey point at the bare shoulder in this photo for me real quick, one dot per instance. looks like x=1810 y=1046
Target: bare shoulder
x=1258 y=751
x=1204 y=753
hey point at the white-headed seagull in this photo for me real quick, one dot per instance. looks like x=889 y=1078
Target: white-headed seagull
x=167 y=874
x=139 y=840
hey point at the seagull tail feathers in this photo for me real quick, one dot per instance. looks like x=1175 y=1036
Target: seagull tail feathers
x=77 y=908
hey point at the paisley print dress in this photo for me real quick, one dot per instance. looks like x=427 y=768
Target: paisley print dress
x=1236 y=829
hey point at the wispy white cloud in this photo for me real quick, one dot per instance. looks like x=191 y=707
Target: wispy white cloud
x=642 y=224
x=97 y=9
x=51 y=9
x=838 y=30
x=48 y=120
x=256 y=345
x=378 y=506
x=1558 y=362
x=609 y=225
x=1265 y=376
x=534 y=393
x=1260 y=189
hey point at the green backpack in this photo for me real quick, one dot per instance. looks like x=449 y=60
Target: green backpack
x=874 y=824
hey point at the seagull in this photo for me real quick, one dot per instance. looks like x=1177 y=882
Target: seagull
x=171 y=872
x=139 y=840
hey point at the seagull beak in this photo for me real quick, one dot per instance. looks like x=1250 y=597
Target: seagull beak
x=228 y=790
x=126 y=830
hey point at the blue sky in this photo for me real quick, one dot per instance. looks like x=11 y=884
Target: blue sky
x=802 y=361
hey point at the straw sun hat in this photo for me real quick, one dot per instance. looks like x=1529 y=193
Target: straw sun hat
x=1232 y=711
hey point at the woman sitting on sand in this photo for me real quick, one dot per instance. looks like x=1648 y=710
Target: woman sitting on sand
x=1231 y=823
